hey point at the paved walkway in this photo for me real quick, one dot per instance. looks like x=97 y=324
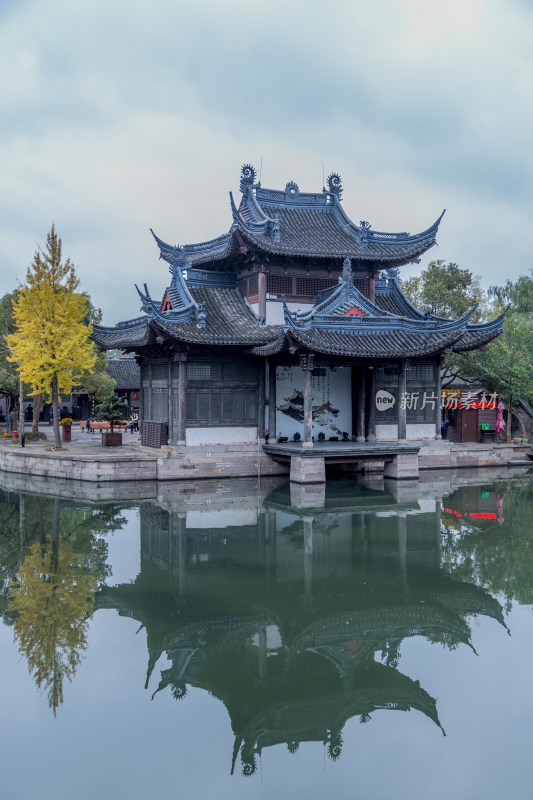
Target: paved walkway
x=82 y=443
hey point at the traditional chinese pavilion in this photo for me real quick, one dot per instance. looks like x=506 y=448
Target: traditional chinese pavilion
x=284 y=329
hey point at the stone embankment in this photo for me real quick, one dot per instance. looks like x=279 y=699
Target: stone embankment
x=445 y=455
x=84 y=459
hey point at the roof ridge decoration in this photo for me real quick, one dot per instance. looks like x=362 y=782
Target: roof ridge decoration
x=334 y=185
x=248 y=176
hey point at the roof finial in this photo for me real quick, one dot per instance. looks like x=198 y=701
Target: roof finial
x=178 y=261
x=248 y=175
x=335 y=185
x=347 y=274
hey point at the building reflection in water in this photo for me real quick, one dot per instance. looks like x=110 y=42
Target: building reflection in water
x=292 y=608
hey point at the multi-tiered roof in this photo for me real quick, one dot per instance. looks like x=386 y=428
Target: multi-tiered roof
x=204 y=306
x=288 y=222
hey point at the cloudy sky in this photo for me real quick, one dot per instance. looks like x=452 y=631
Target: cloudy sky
x=121 y=115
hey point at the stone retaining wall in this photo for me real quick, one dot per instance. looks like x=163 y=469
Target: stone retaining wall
x=191 y=463
x=237 y=461
x=77 y=467
x=445 y=455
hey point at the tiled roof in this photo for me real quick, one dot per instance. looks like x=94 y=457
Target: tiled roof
x=322 y=234
x=396 y=344
x=130 y=334
x=126 y=373
x=312 y=225
x=229 y=321
x=390 y=298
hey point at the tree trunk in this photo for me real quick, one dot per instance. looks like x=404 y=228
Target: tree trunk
x=37 y=402
x=55 y=409
x=55 y=535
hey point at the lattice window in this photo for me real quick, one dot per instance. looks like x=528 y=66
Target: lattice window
x=310 y=286
x=159 y=404
x=230 y=406
x=252 y=284
x=361 y=284
x=159 y=371
x=279 y=284
x=421 y=372
x=240 y=372
x=198 y=372
x=243 y=286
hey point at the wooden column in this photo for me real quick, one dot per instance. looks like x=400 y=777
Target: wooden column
x=438 y=404
x=261 y=402
x=372 y=288
x=169 y=403
x=181 y=358
x=261 y=290
x=150 y=390
x=371 y=405
x=360 y=395
x=272 y=433
x=402 y=412
x=307 y=363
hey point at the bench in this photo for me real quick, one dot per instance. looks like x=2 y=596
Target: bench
x=101 y=426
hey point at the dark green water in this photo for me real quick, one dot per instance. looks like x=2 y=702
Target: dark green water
x=223 y=640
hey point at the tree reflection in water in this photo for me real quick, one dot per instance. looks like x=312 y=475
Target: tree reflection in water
x=49 y=593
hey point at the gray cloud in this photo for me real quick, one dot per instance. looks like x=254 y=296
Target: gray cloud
x=116 y=117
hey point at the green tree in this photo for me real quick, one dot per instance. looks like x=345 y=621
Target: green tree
x=112 y=409
x=9 y=379
x=506 y=367
x=445 y=290
x=51 y=344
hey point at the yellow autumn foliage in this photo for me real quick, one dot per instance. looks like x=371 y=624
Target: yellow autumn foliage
x=51 y=342
x=52 y=599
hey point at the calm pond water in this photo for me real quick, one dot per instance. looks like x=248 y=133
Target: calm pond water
x=229 y=640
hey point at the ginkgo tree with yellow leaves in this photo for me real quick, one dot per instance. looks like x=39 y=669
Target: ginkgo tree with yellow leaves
x=51 y=344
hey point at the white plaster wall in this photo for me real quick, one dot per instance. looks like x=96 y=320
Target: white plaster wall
x=229 y=435
x=274 y=310
x=386 y=433
x=421 y=430
x=220 y=518
x=333 y=391
x=414 y=430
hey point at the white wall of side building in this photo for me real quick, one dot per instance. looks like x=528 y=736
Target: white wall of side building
x=414 y=430
x=220 y=435
x=274 y=310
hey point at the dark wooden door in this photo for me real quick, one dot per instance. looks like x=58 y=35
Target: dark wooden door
x=469 y=427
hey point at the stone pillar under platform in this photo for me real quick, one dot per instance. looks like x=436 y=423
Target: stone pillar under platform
x=311 y=495
x=376 y=465
x=308 y=470
x=403 y=465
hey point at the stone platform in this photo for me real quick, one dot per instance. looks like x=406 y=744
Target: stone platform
x=308 y=464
